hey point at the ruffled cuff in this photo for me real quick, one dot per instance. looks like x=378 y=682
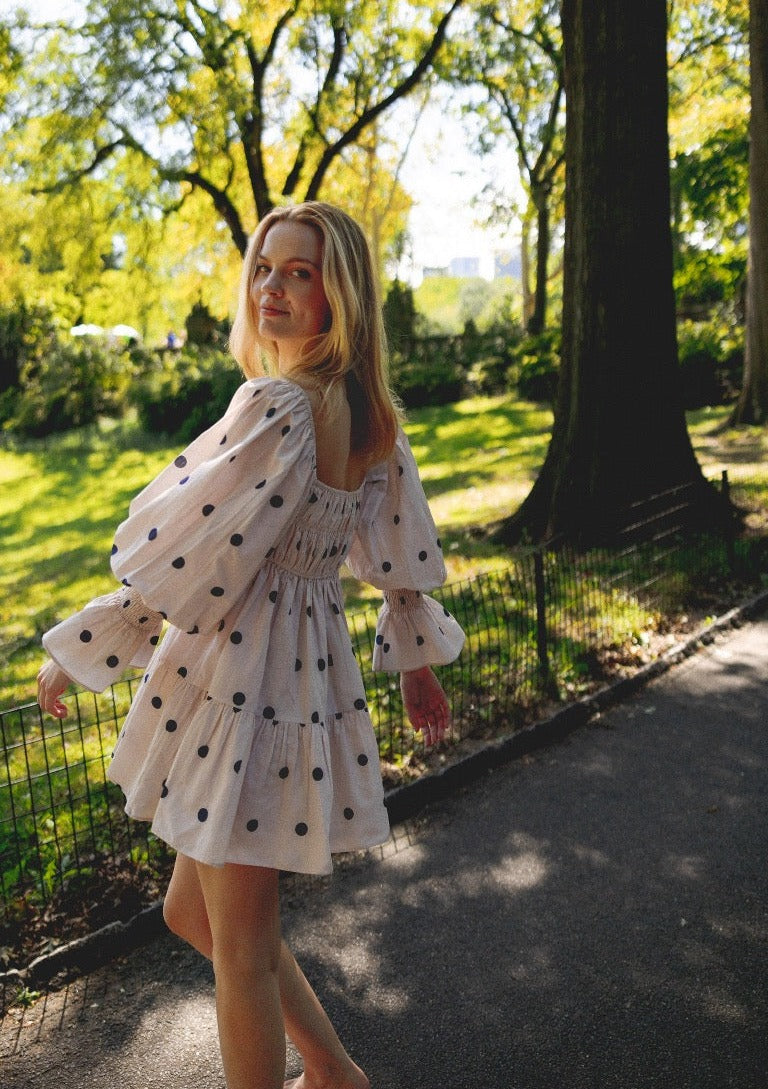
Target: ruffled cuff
x=95 y=645
x=414 y=630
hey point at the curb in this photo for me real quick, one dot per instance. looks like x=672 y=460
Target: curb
x=93 y=950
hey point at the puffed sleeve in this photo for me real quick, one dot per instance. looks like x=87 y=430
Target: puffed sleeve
x=397 y=550
x=95 y=645
x=196 y=536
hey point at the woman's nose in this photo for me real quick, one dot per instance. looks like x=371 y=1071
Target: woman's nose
x=273 y=283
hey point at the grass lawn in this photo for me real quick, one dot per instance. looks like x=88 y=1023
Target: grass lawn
x=61 y=499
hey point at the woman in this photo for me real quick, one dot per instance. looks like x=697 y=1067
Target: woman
x=249 y=745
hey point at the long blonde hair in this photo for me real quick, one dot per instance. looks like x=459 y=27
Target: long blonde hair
x=353 y=348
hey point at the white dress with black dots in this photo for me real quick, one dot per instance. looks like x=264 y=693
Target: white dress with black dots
x=249 y=739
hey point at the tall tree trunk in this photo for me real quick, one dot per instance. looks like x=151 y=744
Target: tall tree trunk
x=525 y=265
x=619 y=433
x=538 y=318
x=752 y=407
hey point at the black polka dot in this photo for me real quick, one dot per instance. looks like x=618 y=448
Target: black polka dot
x=349 y=813
x=297 y=666
x=360 y=704
x=313 y=498
x=276 y=501
x=362 y=759
x=273 y=596
x=422 y=555
x=222 y=625
x=222 y=441
x=439 y=543
x=180 y=461
x=386 y=566
x=399 y=470
x=85 y=636
x=397 y=519
x=178 y=563
x=252 y=825
x=203 y=751
x=271 y=412
x=334 y=550
x=309 y=610
x=330 y=661
x=114 y=550
x=261 y=484
x=217 y=591
x=321 y=664
x=317 y=774
x=379 y=640
x=164 y=791
x=335 y=608
x=238 y=765
x=301 y=829
x=238 y=699
x=202 y=815
x=113 y=661
x=268 y=712
x=385 y=648
x=283 y=773
x=154 y=640
x=236 y=637
x=236 y=539
x=152 y=534
x=419 y=640
x=315 y=716
x=182 y=671
x=285 y=430
x=171 y=725
x=184 y=480
x=208 y=509
x=157 y=702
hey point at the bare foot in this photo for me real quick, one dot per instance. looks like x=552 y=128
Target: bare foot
x=355 y=1079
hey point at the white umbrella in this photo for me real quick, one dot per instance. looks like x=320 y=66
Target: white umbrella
x=125 y=331
x=86 y=330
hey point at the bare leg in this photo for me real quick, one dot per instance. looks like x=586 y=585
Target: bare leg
x=242 y=907
x=325 y=1060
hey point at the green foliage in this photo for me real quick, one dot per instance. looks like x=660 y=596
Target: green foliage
x=711 y=360
x=27 y=333
x=186 y=392
x=536 y=365
x=429 y=371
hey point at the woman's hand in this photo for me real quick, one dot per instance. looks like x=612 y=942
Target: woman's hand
x=426 y=703
x=51 y=682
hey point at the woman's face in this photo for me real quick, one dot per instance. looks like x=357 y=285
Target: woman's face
x=287 y=289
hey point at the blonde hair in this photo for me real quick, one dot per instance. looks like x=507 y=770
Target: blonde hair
x=353 y=348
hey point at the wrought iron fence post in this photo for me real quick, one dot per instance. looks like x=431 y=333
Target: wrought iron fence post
x=728 y=522
x=542 y=651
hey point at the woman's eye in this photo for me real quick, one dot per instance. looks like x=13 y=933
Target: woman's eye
x=301 y=273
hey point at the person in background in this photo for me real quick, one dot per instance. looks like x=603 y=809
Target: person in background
x=249 y=744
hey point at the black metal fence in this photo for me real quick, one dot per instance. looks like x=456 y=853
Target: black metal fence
x=542 y=627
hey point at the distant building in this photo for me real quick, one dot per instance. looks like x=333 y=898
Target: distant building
x=507 y=263
x=429 y=272
x=465 y=267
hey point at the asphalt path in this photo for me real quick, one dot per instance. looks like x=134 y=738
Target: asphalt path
x=592 y=916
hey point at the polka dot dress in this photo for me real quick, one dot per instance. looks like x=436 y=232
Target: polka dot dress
x=249 y=739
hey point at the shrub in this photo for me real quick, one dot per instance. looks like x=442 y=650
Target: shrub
x=536 y=366
x=429 y=370
x=711 y=357
x=69 y=385
x=186 y=392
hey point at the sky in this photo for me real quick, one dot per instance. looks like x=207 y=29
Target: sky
x=441 y=174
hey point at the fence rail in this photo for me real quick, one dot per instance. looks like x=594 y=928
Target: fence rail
x=535 y=630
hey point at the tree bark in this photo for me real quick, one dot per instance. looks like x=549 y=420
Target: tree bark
x=619 y=433
x=538 y=318
x=752 y=406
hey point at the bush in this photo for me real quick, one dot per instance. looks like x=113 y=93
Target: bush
x=187 y=392
x=536 y=366
x=27 y=335
x=711 y=357
x=429 y=371
x=69 y=385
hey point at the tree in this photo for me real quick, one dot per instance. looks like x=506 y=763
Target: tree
x=515 y=55
x=250 y=103
x=619 y=433
x=752 y=407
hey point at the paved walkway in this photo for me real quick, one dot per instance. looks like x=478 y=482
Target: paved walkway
x=591 y=917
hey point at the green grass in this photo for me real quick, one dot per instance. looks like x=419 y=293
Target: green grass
x=61 y=499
